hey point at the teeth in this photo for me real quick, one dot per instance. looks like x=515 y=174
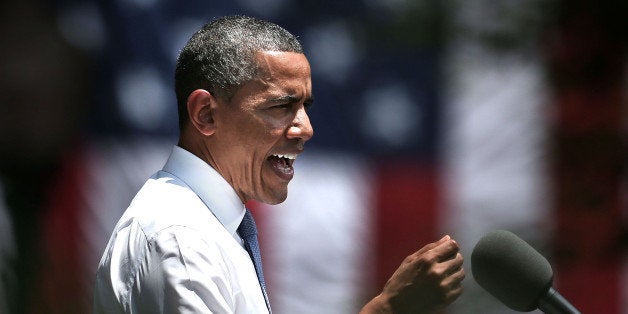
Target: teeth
x=288 y=156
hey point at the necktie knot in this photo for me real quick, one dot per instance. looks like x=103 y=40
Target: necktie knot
x=247 y=227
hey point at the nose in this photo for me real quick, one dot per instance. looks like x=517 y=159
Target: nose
x=300 y=128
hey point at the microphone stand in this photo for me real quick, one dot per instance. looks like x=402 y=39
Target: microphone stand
x=554 y=303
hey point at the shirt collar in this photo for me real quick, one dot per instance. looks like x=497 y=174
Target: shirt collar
x=217 y=194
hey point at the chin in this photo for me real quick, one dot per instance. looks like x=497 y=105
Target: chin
x=276 y=201
x=274 y=198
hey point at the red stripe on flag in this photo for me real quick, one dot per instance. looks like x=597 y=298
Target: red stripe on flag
x=405 y=212
x=63 y=287
x=589 y=72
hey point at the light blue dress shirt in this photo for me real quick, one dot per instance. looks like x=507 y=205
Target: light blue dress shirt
x=176 y=250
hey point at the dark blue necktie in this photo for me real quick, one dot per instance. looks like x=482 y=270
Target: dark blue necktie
x=248 y=231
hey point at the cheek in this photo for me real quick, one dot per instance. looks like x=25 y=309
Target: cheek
x=256 y=136
x=275 y=133
x=247 y=132
x=266 y=134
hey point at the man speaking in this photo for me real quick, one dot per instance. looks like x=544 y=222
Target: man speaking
x=186 y=243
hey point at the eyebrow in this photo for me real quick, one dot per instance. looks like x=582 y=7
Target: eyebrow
x=292 y=99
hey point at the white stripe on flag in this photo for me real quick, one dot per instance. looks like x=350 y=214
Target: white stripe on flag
x=494 y=155
x=317 y=242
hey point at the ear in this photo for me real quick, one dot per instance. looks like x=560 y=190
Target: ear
x=201 y=105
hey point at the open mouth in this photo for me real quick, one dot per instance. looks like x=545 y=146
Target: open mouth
x=282 y=165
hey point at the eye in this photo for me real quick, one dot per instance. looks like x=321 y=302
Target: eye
x=281 y=106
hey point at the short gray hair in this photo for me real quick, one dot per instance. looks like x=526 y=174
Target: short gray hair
x=220 y=57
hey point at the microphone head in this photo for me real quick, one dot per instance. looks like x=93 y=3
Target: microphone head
x=511 y=270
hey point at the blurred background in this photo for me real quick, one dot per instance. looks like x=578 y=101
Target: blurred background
x=432 y=117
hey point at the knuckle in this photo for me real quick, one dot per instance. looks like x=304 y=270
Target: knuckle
x=409 y=259
x=430 y=257
x=460 y=257
x=454 y=245
x=463 y=274
x=433 y=274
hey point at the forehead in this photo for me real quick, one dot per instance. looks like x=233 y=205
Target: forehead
x=278 y=65
x=280 y=75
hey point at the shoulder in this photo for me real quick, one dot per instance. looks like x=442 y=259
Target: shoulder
x=165 y=201
x=165 y=238
x=164 y=217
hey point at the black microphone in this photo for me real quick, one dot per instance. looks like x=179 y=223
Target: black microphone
x=516 y=274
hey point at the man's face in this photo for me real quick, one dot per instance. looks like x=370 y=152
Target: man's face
x=263 y=128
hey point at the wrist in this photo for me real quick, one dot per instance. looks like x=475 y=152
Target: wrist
x=378 y=305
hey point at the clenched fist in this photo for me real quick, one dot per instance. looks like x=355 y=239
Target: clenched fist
x=425 y=282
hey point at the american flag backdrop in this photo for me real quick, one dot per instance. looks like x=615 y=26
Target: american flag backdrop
x=431 y=118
